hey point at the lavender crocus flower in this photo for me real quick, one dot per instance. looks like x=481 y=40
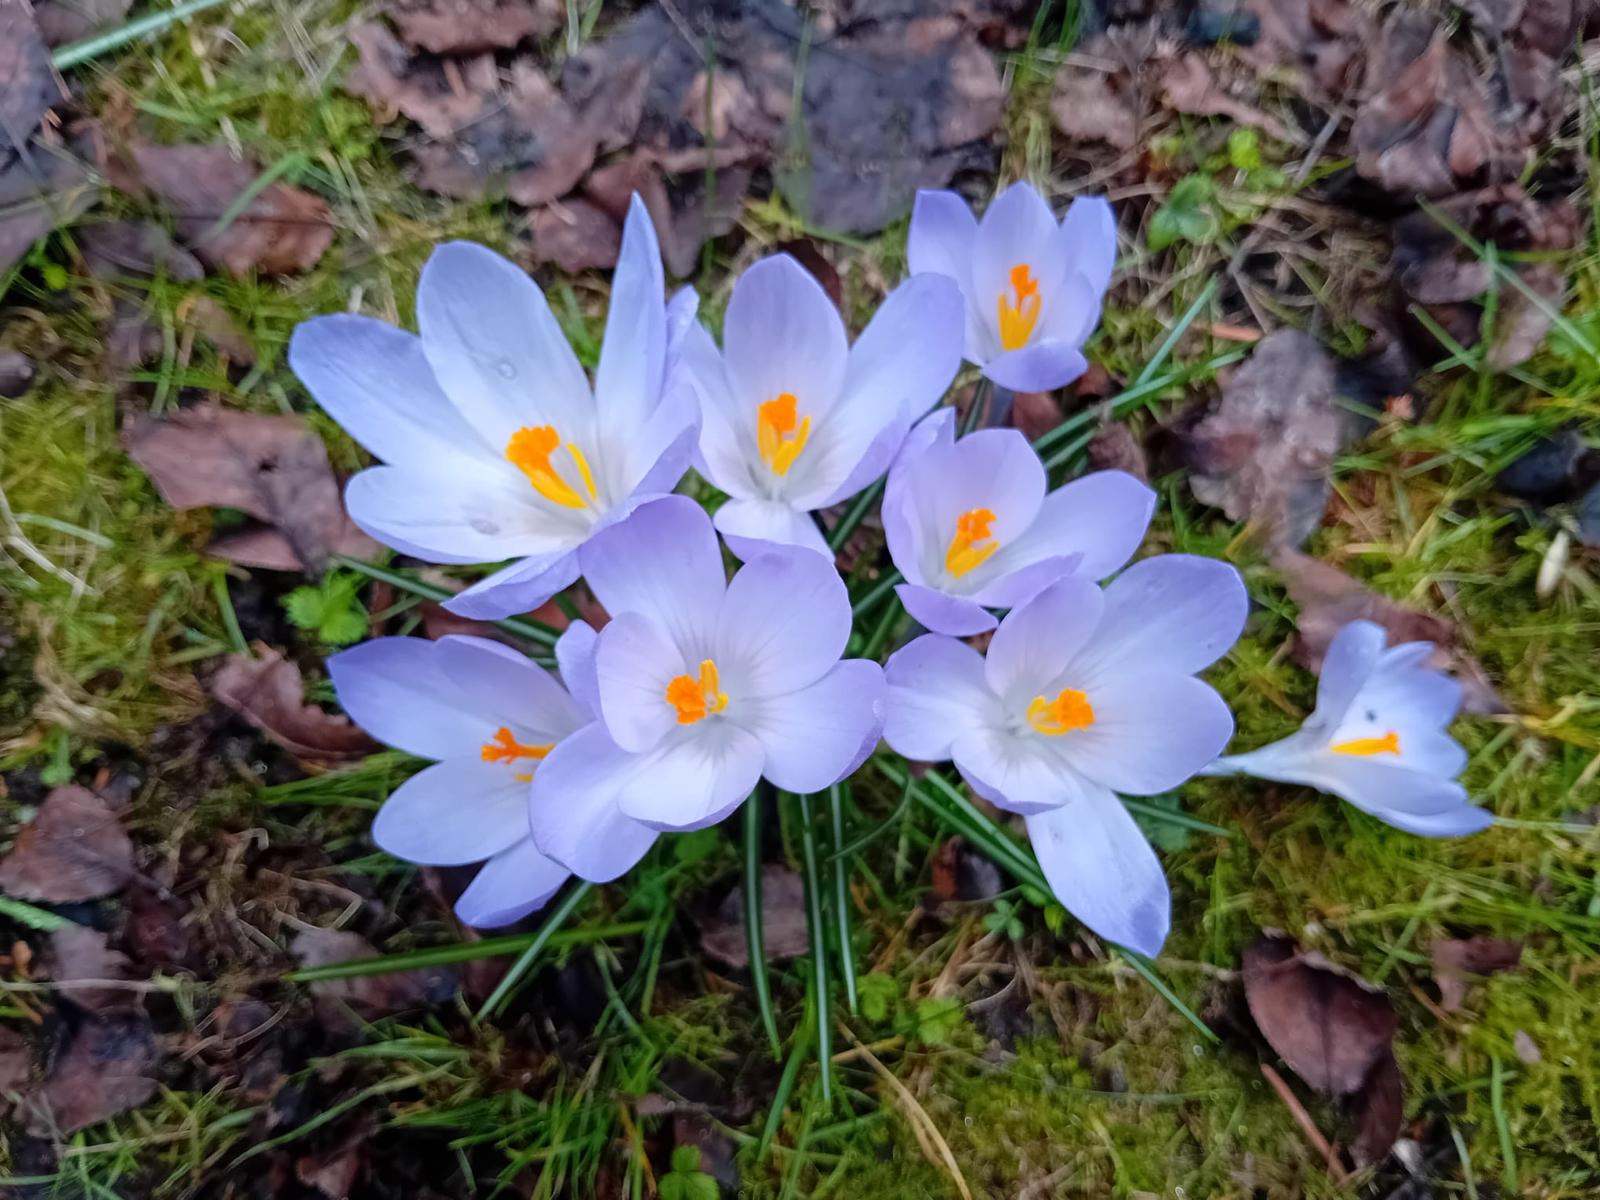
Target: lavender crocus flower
x=489 y=718
x=971 y=528
x=495 y=445
x=1033 y=288
x=703 y=686
x=1377 y=738
x=793 y=418
x=1083 y=694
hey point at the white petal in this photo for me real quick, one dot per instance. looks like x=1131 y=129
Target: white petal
x=575 y=650
x=783 y=623
x=454 y=812
x=627 y=383
x=936 y=693
x=816 y=735
x=1016 y=229
x=753 y=526
x=634 y=664
x=392 y=688
x=728 y=451
x=695 y=778
x=782 y=334
x=573 y=807
x=1178 y=612
x=1351 y=659
x=1152 y=731
x=1037 y=642
x=1101 y=516
x=1019 y=772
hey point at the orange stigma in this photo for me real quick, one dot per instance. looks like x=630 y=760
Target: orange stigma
x=504 y=748
x=696 y=699
x=1389 y=743
x=973 y=543
x=529 y=450
x=778 y=435
x=1068 y=711
x=1018 y=315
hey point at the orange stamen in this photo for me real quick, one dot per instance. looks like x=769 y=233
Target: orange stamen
x=1018 y=316
x=695 y=699
x=1068 y=711
x=973 y=542
x=1389 y=743
x=780 y=435
x=529 y=450
x=504 y=748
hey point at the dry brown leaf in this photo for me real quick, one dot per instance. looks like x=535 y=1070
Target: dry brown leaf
x=1327 y=40
x=1035 y=413
x=1189 y=87
x=1380 y=1110
x=273 y=468
x=783 y=921
x=28 y=84
x=80 y=955
x=268 y=692
x=63 y=21
x=1090 y=106
x=1457 y=960
x=75 y=849
x=106 y=1068
x=283 y=230
x=115 y=250
x=370 y=995
x=576 y=235
x=1114 y=448
x=474 y=26
x=675 y=196
x=40 y=189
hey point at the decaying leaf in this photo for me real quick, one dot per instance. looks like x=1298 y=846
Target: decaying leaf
x=16 y=1061
x=370 y=995
x=674 y=192
x=281 y=231
x=1457 y=960
x=1264 y=453
x=1327 y=40
x=783 y=921
x=1090 y=105
x=1115 y=448
x=962 y=873
x=40 y=189
x=82 y=964
x=1380 y=1110
x=268 y=692
x=576 y=235
x=474 y=26
x=119 y=249
x=273 y=468
x=106 y=1067
x=1189 y=87
x=75 y=849
x=1329 y=600
x=63 y=21
x=27 y=80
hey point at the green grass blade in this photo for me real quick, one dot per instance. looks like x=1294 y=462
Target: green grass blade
x=24 y=913
x=1179 y=328
x=786 y=1081
x=819 y=945
x=753 y=934
x=841 y=894
x=534 y=631
x=502 y=992
x=1181 y=819
x=853 y=516
x=1143 y=965
x=146 y=26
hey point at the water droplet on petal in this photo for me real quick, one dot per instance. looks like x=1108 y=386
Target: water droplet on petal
x=485 y=526
x=505 y=368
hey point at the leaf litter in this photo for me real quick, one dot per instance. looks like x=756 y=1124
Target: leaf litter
x=74 y=849
x=268 y=691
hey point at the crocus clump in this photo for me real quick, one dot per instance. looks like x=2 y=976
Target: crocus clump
x=1378 y=738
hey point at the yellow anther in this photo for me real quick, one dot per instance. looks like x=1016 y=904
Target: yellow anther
x=779 y=438
x=1018 y=310
x=504 y=748
x=1389 y=743
x=1068 y=711
x=529 y=450
x=973 y=543
x=696 y=699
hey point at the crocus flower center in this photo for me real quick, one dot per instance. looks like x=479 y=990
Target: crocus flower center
x=696 y=698
x=780 y=435
x=972 y=544
x=529 y=450
x=1019 y=310
x=1068 y=711
x=1389 y=743
x=504 y=748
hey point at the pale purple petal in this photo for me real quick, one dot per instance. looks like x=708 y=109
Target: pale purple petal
x=512 y=884
x=1179 y=612
x=694 y=778
x=575 y=650
x=1104 y=872
x=572 y=807
x=496 y=348
x=455 y=519
x=1020 y=586
x=1088 y=240
x=521 y=587
x=902 y=526
x=1152 y=731
x=1069 y=315
x=460 y=811
x=727 y=449
x=627 y=382
x=1352 y=657
x=782 y=334
x=1016 y=229
x=936 y=693
x=942 y=241
x=812 y=737
x=1378 y=785
x=994 y=469
x=392 y=688
x=374 y=380
x=834 y=449
x=1039 y=640
x=1101 y=516
x=1019 y=772
x=664 y=562
x=784 y=623
x=1456 y=822
x=753 y=527
x=954 y=615
x=659 y=451
x=507 y=688
x=634 y=663
x=1038 y=367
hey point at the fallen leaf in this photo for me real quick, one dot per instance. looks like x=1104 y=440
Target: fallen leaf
x=1329 y=1025
x=1090 y=105
x=674 y=194
x=105 y=1068
x=274 y=468
x=1327 y=41
x=16 y=373
x=16 y=1061
x=1189 y=87
x=63 y=21
x=156 y=935
x=783 y=921
x=283 y=230
x=370 y=995
x=474 y=26
x=1114 y=448
x=28 y=86
x=1456 y=960
x=961 y=873
x=40 y=189
x=81 y=954
x=809 y=254
x=268 y=692
x=1329 y=600
x=1035 y=413
x=115 y=250
x=388 y=79
x=214 y=323
x=576 y=235
x=75 y=849
x=1264 y=453
x=1380 y=1110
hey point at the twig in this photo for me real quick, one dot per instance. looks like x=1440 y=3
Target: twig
x=1307 y=1126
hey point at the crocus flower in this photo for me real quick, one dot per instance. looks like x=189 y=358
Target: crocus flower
x=1033 y=287
x=703 y=685
x=489 y=718
x=793 y=418
x=1083 y=694
x=495 y=445
x=1377 y=738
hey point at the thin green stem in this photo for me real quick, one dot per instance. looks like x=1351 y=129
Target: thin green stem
x=884 y=587
x=534 y=631
x=147 y=26
x=1508 y=1144
x=841 y=894
x=854 y=515
x=786 y=1081
x=877 y=831
x=883 y=630
x=752 y=919
x=519 y=969
x=819 y=945
x=1179 y=328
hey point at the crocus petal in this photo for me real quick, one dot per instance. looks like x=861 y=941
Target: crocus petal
x=1036 y=642
x=519 y=588
x=954 y=615
x=1352 y=657
x=1071 y=315
x=455 y=519
x=941 y=241
x=752 y=527
x=655 y=454
x=1101 y=516
x=902 y=526
x=664 y=562
x=1152 y=730
x=1102 y=869
x=936 y=692
x=392 y=688
x=727 y=431
x=782 y=334
x=1455 y=822
x=1016 y=588
x=1179 y=612
x=460 y=811
x=812 y=737
x=992 y=469
x=505 y=686
x=573 y=810
x=495 y=346
x=634 y=663
x=1021 y=773
x=695 y=778
x=627 y=383
x=1038 y=367
x=512 y=884
x=575 y=650
x=1017 y=229
x=1088 y=238
x=375 y=381
x=784 y=623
